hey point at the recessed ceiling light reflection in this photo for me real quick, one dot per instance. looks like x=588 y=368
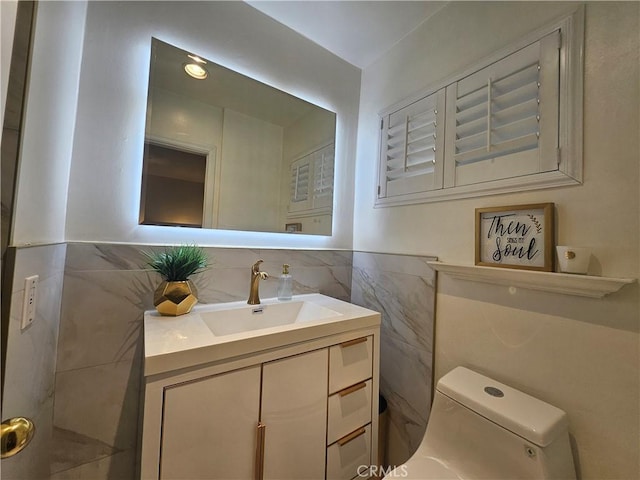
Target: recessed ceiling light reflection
x=196 y=71
x=197 y=59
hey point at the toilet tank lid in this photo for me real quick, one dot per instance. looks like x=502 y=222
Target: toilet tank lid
x=522 y=414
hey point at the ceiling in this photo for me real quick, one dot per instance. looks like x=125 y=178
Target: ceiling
x=225 y=88
x=356 y=31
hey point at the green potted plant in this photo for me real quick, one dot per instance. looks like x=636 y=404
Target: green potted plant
x=176 y=295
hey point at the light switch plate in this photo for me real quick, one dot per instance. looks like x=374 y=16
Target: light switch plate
x=29 y=302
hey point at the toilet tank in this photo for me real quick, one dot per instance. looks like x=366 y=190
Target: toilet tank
x=481 y=428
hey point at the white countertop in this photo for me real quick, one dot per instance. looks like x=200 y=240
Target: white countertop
x=172 y=343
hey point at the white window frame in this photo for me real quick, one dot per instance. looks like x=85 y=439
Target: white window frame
x=570 y=128
x=323 y=176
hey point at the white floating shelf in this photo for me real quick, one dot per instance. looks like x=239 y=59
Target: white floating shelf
x=565 y=283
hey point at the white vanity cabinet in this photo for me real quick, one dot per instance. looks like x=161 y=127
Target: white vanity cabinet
x=224 y=426
x=303 y=410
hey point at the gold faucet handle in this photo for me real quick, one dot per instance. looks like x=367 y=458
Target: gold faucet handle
x=255 y=268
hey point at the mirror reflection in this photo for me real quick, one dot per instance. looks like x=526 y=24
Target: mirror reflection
x=225 y=151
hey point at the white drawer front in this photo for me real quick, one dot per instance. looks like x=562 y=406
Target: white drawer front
x=349 y=363
x=349 y=455
x=349 y=409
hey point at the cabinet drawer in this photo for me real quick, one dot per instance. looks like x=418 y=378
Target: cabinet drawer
x=349 y=455
x=349 y=409
x=349 y=363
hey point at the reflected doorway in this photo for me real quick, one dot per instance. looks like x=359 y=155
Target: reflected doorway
x=173 y=186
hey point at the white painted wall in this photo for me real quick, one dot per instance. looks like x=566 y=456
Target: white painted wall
x=184 y=121
x=438 y=50
x=316 y=129
x=105 y=175
x=582 y=355
x=250 y=174
x=50 y=119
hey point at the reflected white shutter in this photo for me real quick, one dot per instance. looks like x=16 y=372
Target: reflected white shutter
x=411 y=152
x=299 y=185
x=502 y=121
x=311 y=185
x=323 y=173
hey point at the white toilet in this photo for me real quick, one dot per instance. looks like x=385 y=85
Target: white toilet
x=483 y=429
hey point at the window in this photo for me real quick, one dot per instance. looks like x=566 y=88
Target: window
x=513 y=122
x=411 y=149
x=502 y=121
x=300 y=184
x=323 y=177
x=311 y=186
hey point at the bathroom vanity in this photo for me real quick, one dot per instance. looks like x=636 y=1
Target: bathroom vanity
x=275 y=391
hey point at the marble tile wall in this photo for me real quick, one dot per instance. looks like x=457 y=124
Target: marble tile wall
x=31 y=357
x=97 y=361
x=402 y=288
x=99 y=366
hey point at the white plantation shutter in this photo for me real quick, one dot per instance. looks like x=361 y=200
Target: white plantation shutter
x=502 y=121
x=311 y=186
x=323 y=173
x=411 y=151
x=299 y=186
x=513 y=122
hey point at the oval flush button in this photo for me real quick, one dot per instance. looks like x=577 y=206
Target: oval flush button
x=494 y=392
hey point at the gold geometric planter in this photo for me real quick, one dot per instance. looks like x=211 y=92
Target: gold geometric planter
x=175 y=298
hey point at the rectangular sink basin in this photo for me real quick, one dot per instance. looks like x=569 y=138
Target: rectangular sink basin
x=222 y=331
x=257 y=317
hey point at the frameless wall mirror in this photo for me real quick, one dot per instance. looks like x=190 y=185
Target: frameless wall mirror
x=225 y=151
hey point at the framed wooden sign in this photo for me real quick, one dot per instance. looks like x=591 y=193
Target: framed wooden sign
x=518 y=236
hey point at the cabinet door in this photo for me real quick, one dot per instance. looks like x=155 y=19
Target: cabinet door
x=294 y=410
x=209 y=428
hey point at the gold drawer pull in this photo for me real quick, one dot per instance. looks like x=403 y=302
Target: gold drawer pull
x=353 y=435
x=260 y=434
x=353 y=388
x=355 y=341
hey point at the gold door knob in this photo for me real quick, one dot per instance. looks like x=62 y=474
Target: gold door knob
x=15 y=435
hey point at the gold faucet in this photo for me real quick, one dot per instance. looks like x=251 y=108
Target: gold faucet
x=256 y=276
